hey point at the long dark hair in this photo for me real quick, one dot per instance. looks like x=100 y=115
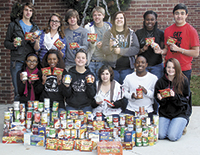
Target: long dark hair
x=113 y=28
x=60 y=60
x=26 y=58
x=60 y=30
x=102 y=69
x=30 y=5
x=179 y=77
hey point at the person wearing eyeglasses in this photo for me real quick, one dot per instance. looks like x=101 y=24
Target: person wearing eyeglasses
x=30 y=85
x=53 y=31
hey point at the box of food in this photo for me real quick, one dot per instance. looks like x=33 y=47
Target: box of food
x=12 y=139
x=92 y=37
x=37 y=140
x=165 y=92
x=110 y=148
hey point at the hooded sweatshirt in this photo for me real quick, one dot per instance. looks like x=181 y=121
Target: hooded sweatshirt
x=80 y=94
x=171 y=107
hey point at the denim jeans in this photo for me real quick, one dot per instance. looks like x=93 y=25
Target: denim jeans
x=133 y=113
x=94 y=68
x=188 y=74
x=88 y=108
x=171 y=129
x=119 y=75
x=15 y=66
x=157 y=70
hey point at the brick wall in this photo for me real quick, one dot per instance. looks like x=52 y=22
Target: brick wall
x=134 y=14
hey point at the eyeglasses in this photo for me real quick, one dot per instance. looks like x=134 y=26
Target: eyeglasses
x=55 y=21
x=34 y=62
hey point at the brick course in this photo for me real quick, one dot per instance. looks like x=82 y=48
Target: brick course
x=44 y=8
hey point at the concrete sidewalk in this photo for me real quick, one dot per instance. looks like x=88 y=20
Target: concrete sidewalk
x=189 y=144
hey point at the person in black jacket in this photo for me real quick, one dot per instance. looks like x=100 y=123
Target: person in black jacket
x=18 y=28
x=53 y=87
x=174 y=110
x=149 y=30
x=30 y=89
x=81 y=90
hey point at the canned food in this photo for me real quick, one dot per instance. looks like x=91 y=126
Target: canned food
x=139 y=93
x=138 y=141
x=61 y=133
x=67 y=79
x=22 y=107
x=138 y=122
x=17 y=114
x=52 y=133
x=40 y=106
x=55 y=106
x=44 y=118
x=24 y=76
x=46 y=102
x=56 y=123
x=148 y=121
x=99 y=116
x=19 y=40
x=109 y=119
x=77 y=123
x=122 y=119
x=115 y=121
x=7 y=115
x=73 y=114
x=70 y=124
x=63 y=115
x=63 y=123
x=35 y=129
x=141 y=110
x=73 y=133
x=54 y=114
x=30 y=104
x=16 y=105
x=145 y=131
x=81 y=133
x=22 y=116
x=35 y=105
x=67 y=134
x=37 y=117
x=155 y=119
x=144 y=141
x=129 y=119
x=151 y=131
x=138 y=132
x=28 y=124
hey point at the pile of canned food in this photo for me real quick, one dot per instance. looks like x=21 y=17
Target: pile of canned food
x=67 y=130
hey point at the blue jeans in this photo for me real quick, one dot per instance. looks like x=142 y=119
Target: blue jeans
x=171 y=129
x=88 y=108
x=94 y=68
x=15 y=66
x=188 y=74
x=157 y=70
x=133 y=113
x=119 y=75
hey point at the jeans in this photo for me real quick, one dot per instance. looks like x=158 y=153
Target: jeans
x=188 y=74
x=119 y=75
x=157 y=70
x=133 y=113
x=88 y=108
x=94 y=68
x=171 y=129
x=15 y=66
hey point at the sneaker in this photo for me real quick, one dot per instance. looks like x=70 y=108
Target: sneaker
x=185 y=130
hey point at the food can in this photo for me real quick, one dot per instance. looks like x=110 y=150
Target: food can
x=46 y=102
x=122 y=132
x=54 y=114
x=80 y=113
x=144 y=141
x=77 y=123
x=70 y=124
x=17 y=114
x=29 y=115
x=130 y=127
x=145 y=131
x=109 y=119
x=37 y=117
x=141 y=110
x=28 y=124
x=7 y=115
x=73 y=114
x=67 y=134
x=61 y=133
x=22 y=107
x=44 y=118
x=52 y=132
x=81 y=133
x=22 y=116
x=63 y=115
x=115 y=132
x=89 y=79
x=99 y=116
x=55 y=106
x=16 y=105
x=138 y=132
x=40 y=106
x=129 y=119
x=35 y=105
x=138 y=141
x=47 y=131
x=63 y=123
x=151 y=131
x=139 y=93
x=35 y=129
x=30 y=104
x=73 y=133
x=24 y=76
x=56 y=123
x=138 y=122
x=116 y=121
x=122 y=120
x=151 y=141
x=67 y=79
x=23 y=122
x=6 y=124
x=19 y=40
x=148 y=121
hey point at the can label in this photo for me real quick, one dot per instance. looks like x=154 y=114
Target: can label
x=139 y=93
x=77 y=123
x=63 y=115
x=16 y=105
x=17 y=114
x=67 y=133
x=19 y=40
x=63 y=123
x=28 y=124
x=24 y=76
x=22 y=107
x=73 y=133
x=22 y=116
x=46 y=102
x=67 y=79
x=73 y=114
x=37 y=117
x=30 y=104
x=56 y=122
x=70 y=124
x=138 y=141
x=109 y=119
x=61 y=133
x=129 y=119
x=40 y=106
x=44 y=118
x=55 y=106
x=115 y=121
x=6 y=115
x=29 y=115
x=35 y=129
x=138 y=132
x=138 y=122
x=122 y=120
x=54 y=114
x=81 y=133
x=35 y=105
x=52 y=132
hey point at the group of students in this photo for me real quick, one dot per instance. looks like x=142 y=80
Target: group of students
x=118 y=62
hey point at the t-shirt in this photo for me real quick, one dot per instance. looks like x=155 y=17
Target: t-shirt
x=25 y=28
x=187 y=37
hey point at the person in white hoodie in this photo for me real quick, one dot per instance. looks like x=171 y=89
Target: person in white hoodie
x=108 y=90
x=99 y=27
x=140 y=79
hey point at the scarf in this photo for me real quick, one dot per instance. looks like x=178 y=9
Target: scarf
x=48 y=41
x=32 y=97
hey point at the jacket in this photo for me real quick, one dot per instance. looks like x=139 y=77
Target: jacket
x=15 y=30
x=171 y=107
x=80 y=94
x=111 y=57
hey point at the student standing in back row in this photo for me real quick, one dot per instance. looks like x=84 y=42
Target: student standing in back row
x=18 y=28
x=187 y=40
x=99 y=27
x=120 y=45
